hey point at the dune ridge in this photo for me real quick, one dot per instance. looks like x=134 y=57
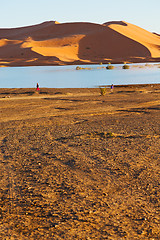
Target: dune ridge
x=53 y=43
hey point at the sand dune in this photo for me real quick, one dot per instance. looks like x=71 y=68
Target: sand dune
x=147 y=39
x=51 y=43
x=66 y=49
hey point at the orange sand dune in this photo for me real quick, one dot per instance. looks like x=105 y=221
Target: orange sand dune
x=51 y=43
x=66 y=49
x=147 y=39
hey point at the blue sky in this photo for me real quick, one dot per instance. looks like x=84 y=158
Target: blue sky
x=143 y=13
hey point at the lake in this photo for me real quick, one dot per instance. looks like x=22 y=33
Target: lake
x=69 y=77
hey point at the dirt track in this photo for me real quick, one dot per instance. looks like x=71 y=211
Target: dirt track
x=77 y=165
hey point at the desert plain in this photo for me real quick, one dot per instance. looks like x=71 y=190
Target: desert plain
x=78 y=165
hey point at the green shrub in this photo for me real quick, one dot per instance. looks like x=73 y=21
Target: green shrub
x=125 y=66
x=103 y=91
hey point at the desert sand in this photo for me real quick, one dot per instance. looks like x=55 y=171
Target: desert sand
x=53 y=43
x=78 y=165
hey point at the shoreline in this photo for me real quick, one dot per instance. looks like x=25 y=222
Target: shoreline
x=41 y=64
x=77 y=89
x=32 y=93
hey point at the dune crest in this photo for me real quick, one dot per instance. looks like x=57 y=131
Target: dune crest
x=116 y=23
x=53 y=43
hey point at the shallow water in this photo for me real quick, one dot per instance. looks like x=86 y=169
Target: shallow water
x=69 y=77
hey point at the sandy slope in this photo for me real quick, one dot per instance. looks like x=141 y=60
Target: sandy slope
x=147 y=39
x=51 y=43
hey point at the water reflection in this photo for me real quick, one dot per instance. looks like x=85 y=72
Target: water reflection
x=69 y=77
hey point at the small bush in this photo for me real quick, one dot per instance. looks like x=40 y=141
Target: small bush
x=103 y=91
x=106 y=134
x=125 y=66
x=110 y=134
x=110 y=67
x=78 y=68
x=81 y=68
x=87 y=68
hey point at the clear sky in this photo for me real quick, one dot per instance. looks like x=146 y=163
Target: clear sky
x=143 y=13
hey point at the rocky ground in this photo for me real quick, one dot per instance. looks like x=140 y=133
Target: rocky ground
x=78 y=165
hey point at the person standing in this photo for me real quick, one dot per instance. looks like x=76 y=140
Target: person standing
x=112 y=87
x=37 y=87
